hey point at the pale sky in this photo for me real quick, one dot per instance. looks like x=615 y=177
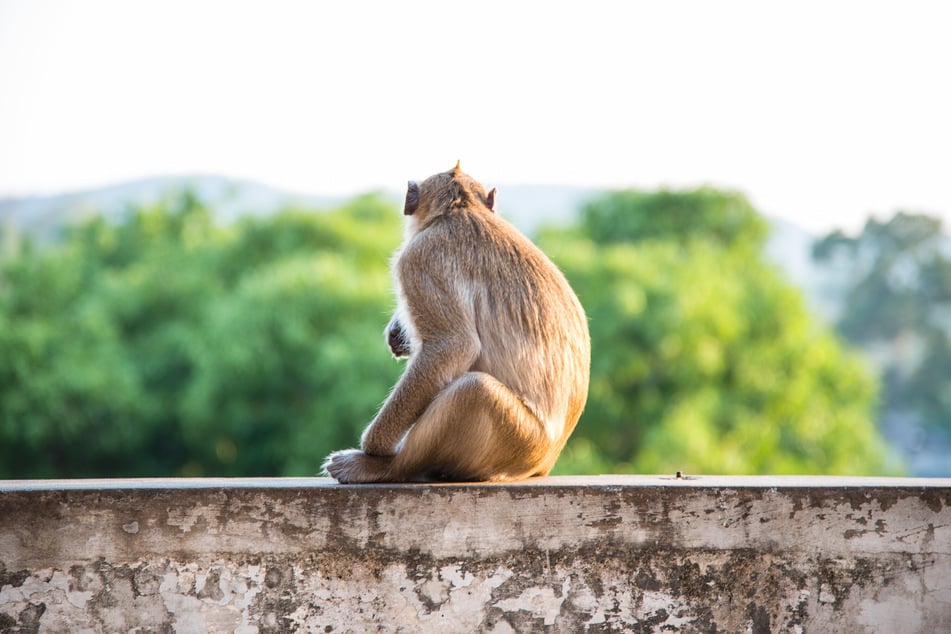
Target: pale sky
x=821 y=112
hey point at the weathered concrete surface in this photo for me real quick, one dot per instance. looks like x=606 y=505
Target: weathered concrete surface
x=600 y=554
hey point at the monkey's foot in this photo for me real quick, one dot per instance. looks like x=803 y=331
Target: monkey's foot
x=352 y=466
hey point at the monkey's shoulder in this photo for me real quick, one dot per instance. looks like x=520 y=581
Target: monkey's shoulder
x=467 y=242
x=485 y=228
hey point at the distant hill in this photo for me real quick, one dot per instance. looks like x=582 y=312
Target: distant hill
x=43 y=217
x=528 y=207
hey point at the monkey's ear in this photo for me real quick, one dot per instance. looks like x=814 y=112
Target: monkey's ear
x=412 y=198
x=490 y=199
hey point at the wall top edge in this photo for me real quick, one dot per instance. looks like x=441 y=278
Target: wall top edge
x=600 y=482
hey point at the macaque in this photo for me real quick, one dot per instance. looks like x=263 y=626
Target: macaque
x=497 y=345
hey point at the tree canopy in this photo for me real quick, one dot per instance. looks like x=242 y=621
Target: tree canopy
x=164 y=345
x=704 y=358
x=897 y=305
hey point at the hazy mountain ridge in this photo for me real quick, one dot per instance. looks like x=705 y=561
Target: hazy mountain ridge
x=526 y=206
x=42 y=217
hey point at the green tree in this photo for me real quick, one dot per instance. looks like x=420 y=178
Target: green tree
x=897 y=279
x=704 y=359
x=706 y=214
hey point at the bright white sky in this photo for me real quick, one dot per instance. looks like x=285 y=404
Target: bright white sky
x=820 y=111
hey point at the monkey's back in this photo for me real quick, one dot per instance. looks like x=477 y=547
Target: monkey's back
x=530 y=325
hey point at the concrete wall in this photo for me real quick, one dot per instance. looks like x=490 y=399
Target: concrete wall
x=601 y=554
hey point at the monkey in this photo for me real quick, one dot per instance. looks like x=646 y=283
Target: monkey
x=497 y=346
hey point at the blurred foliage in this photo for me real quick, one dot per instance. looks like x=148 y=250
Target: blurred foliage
x=708 y=215
x=897 y=278
x=166 y=345
x=704 y=358
x=163 y=345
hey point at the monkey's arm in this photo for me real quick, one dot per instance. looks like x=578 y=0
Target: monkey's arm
x=435 y=366
x=441 y=316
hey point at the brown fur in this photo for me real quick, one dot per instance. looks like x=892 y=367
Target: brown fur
x=498 y=346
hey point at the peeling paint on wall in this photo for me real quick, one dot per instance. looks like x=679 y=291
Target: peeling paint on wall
x=551 y=557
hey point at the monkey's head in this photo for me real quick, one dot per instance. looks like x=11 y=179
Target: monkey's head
x=444 y=192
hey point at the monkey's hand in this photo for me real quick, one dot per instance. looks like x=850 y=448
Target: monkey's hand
x=352 y=466
x=397 y=340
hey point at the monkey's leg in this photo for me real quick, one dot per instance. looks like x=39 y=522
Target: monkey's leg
x=475 y=429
